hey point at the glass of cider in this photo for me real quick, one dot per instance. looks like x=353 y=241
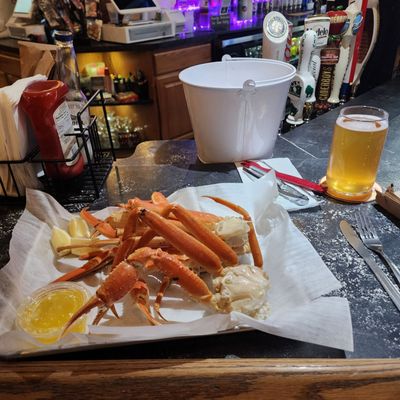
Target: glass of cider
x=357 y=144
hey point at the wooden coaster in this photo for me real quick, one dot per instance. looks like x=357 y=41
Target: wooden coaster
x=372 y=197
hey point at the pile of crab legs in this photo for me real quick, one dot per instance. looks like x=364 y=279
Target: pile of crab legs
x=163 y=236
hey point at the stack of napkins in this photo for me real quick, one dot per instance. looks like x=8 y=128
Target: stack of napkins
x=16 y=139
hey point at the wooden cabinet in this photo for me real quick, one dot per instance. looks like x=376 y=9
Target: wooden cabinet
x=10 y=69
x=174 y=115
x=167 y=116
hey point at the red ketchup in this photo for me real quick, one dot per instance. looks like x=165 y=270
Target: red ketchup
x=44 y=102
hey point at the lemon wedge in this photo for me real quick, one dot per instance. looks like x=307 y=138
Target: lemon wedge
x=60 y=238
x=78 y=228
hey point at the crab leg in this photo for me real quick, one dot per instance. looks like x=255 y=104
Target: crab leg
x=101 y=226
x=205 y=236
x=138 y=203
x=173 y=268
x=160 y=294
x=123 y=251
x=182 y=241
x=95 y=243
x=140 y=294
x=120 y=282
x=158 y=198
x=92 y=254
x=254 y=245
x=92 y=265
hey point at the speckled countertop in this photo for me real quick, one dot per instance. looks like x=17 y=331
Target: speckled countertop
x=169 y=165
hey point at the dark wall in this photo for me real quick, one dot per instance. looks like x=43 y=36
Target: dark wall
x=380 y=66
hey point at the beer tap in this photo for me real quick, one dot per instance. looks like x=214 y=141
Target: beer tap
x=320 y=25
x=329 y=58
x=373 y=8
x=302 y=86
x=354 y=16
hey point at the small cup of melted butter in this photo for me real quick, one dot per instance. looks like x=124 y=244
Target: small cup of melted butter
x=45 y=312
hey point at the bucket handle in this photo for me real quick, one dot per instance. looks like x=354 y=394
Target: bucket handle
x=228 y=58
x=249 y=85
x=246 y=93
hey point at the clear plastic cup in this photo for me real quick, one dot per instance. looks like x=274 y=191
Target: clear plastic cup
x=46 y=311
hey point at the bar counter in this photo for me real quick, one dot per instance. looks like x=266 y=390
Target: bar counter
x=248 y=364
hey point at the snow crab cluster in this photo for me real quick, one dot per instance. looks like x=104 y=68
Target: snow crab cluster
x=148 y=235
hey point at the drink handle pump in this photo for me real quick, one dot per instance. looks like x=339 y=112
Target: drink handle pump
x=362 y=59
x=347 y=45
x=275 y=34
x=302 y=86
x=320 y=25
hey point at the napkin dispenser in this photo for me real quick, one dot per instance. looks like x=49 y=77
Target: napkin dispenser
x=16 y=141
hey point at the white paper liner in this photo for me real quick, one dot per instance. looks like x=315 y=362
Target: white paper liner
x=298 y=279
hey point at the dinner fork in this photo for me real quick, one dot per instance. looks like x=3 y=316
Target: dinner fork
x=371 y=240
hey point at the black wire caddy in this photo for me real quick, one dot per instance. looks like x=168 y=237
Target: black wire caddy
x=82 y=189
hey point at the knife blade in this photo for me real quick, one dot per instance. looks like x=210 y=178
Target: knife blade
x=352 y=237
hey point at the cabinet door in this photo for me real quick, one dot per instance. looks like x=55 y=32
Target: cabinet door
x=10 y=69
x=174 y=115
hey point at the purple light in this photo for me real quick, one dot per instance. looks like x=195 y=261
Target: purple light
x=187 y=5
x=186 y=8
x=202 y=17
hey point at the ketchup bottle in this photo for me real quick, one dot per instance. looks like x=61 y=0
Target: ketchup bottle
x=44 y=103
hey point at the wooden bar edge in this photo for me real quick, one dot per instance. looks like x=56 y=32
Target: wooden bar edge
x=203 y=379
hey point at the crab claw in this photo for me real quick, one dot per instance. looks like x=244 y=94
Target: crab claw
x=93 y=302
x=171 y=266
x=101 y=226
x=140 y=294
x=120 y=282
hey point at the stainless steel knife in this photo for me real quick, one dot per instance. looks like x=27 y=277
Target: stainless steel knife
x=352 y=237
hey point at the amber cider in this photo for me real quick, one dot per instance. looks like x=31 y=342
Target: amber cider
x=356 y=149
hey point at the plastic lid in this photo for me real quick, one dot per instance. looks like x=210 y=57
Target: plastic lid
x=63 y=36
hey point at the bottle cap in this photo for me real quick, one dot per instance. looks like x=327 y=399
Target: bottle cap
x=63 y=36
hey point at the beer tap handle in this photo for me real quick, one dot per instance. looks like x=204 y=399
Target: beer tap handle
x=303 y=84
x=307 y=45
x=315 y=65
x=340 y=70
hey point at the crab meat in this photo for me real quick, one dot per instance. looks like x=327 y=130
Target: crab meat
x=242 y=288
x=233 y=231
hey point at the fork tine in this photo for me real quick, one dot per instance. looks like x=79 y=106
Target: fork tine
x=360 y=226
x=369 y=227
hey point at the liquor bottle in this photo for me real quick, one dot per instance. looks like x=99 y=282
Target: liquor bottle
x=67 y=71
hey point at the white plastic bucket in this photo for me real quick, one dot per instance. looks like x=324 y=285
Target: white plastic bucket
x=236 y=106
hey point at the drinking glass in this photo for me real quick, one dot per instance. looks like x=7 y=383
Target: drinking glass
x=358 y=140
